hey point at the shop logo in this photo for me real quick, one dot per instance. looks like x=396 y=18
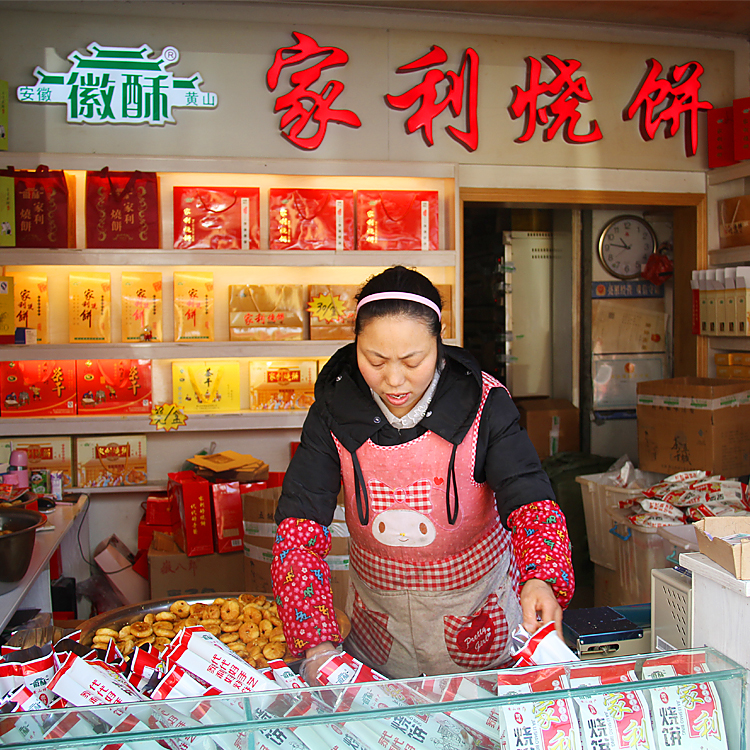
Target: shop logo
x=119 y=85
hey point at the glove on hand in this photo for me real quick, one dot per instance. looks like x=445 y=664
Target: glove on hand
x=311 y=665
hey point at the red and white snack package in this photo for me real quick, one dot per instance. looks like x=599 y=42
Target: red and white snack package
x=142 y=666
x=687 y=715
x=33 y=667
x=618 y=720
x=343 y=668
x=659 y=507
x=537 y=725
x=18 y=728
x=482 y=723
x=544 y=647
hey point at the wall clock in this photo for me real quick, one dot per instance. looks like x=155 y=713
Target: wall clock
x=625 y=244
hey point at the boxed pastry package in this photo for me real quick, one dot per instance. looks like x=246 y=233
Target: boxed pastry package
x=193 y=306
x=141 y=306
x=89 y=307
x=332 y=311
x=266 y=312
x=282 y=384
x=113 y=386
x=216 y=218
x=397 y=220
x=111 y=460
x=48 y=456
x=38 y=388
x=206 y=385
x=7 y=311
x=31 y=303
x=311 y=219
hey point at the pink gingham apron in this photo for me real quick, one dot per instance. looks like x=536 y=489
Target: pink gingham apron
x=427 y=596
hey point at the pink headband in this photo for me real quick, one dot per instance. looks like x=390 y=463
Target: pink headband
x=400 y=295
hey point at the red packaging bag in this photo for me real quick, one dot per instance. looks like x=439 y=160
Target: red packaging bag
x=308 y=219
x=38 y=388
x=397 y=220
x=193 y=497
x=161 y=510
x=740 y=129
x=216 y=218
x=44 y=207
x=122 y=209
x=113 y=386
x=227 y=506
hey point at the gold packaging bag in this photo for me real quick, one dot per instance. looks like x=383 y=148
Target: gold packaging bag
x=141 y=306
x=193 y=306
x=332 y=310
x=266 y=312
x=89 y=300
x=31 y=308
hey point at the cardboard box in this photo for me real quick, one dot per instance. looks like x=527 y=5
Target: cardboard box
x=173 y=573
x=694 y=423
x=116 y=561
x=193 y=497
x=38 y=388
x=226 y=503
x=50 y=454
x=711 y=534
x=111 y=461
x=282 y=384
x=147 y=530
x=113 y=386
x=258 y=509
x=552 y=424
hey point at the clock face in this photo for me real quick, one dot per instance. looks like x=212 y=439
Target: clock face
x=625 y=244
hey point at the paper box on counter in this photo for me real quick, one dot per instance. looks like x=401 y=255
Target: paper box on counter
x=726 y=540
x=113 y=386
x=552 y=424
x=258 y=509
x=332 y=311
x=50 y=454
x=193 y=306
x=111 y=460
x=38 y=388
x=201 y=386
x=694 y=423
x=89 y=307
x=226 y=502
x=141 y=295
x=192 y=494
x=266 y=312
x=116 y=560
x=174 y=573
x=31 y=303
x=282 y=384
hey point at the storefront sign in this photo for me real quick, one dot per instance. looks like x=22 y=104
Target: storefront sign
x=119 y=85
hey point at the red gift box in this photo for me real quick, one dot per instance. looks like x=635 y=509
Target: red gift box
x=113 y=386
x=216 y=218
x=193 y=497
x=122 y=209
x=311 y=219
x=44 y=207
x=161 y=511
x=720 y=135
x=741 y=128
x=397 y=220
x=227 y=507
x=38 y=388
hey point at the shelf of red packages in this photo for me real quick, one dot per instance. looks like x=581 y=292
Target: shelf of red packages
x=34 y=588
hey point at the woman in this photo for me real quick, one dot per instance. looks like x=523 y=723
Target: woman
x=455 y=536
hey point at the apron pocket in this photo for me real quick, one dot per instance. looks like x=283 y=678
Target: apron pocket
x=477 y=640
x=370 y=631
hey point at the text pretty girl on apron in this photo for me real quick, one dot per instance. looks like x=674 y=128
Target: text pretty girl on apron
x=455 y=535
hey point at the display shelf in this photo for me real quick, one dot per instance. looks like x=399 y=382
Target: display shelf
x=730 y=343
x=244 y=258
x=729 y=256
x=123 y=424
x=125 y=489
x=727 y=174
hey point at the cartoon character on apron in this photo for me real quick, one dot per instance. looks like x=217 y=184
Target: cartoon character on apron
x=428 y=595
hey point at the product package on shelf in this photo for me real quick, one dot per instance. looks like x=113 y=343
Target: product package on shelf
x=193 y=306
x=311 y=219
x=44 y=207
x=446 y=295
x=266 y=312
x=122 y=210
x=38 y=388
x=141 y=306
x=113 y=386
x=216 y=218
x=89 y=307
x=111 y=461
x=7 y=309
x=332 y=311
x=282 y=385
x=192 y=495
x=4 y=115
x=31 y=303
x=734 y=221
x=201 y=386
x=7 y=212
x=48 y=456
x=397 y=220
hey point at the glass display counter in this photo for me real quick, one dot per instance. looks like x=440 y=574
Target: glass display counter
x=704 y=709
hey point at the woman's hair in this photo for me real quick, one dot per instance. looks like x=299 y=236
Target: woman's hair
x=399 y=279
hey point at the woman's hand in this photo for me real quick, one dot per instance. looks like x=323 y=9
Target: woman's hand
x=539 y=605
x=315 y=657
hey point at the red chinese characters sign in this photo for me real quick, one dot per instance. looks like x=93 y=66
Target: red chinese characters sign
x=556 y=105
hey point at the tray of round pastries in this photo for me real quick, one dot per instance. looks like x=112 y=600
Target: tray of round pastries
x=247 y=623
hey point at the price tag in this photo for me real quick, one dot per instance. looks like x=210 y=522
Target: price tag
x=168 y=417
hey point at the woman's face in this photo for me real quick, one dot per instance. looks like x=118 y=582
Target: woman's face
x=397 y=356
